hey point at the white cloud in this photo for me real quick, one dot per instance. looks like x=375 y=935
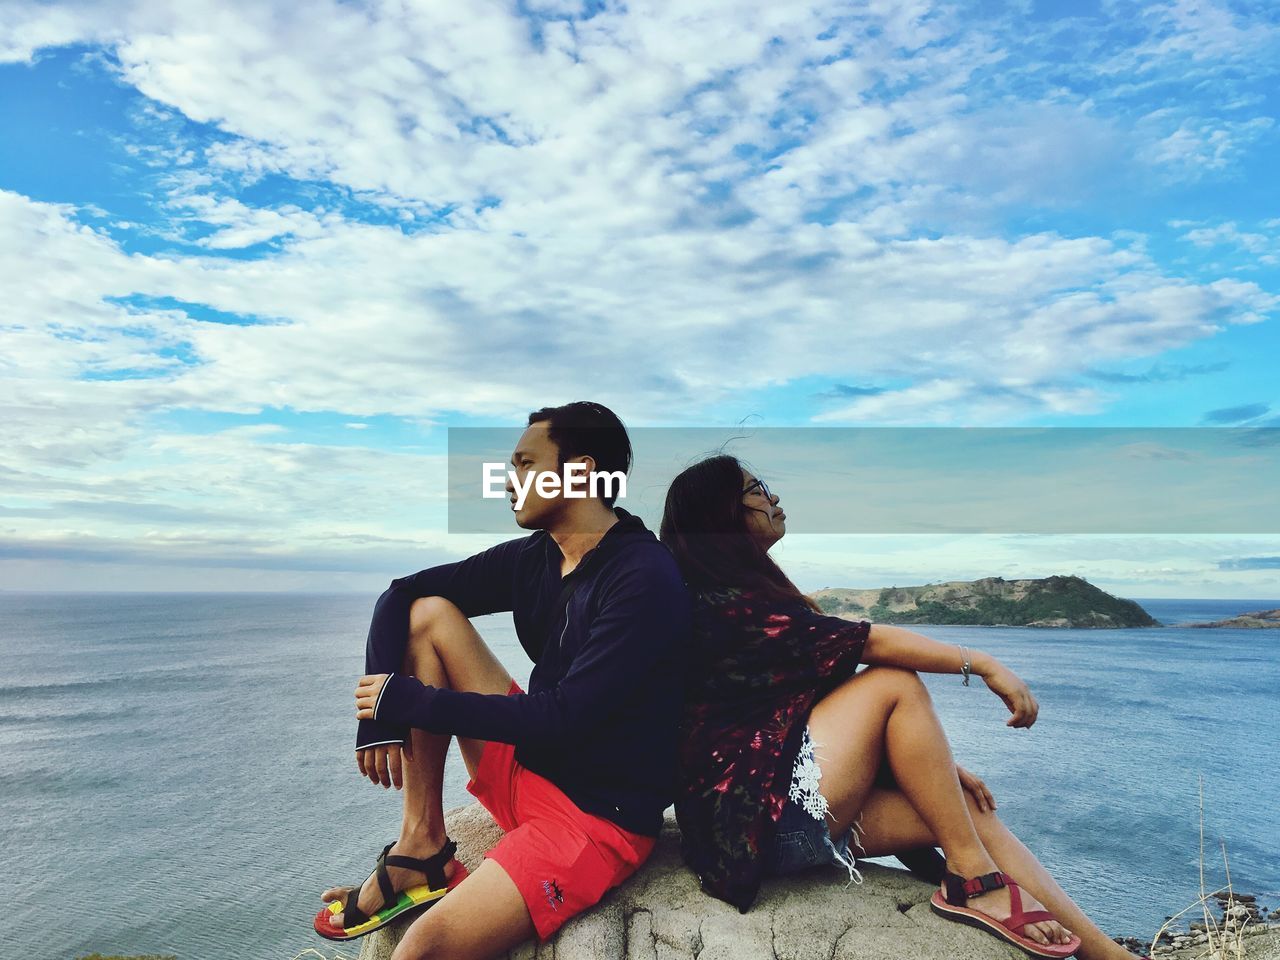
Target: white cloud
x=1251 y=247
x=626 y=209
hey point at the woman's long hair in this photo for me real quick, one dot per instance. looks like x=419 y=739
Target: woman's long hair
x=704 y=525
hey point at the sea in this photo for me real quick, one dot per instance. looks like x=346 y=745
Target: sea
x=177 y=771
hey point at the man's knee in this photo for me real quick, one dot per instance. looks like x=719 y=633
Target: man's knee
x=428 y=613
x=424 y=940
x=439 y=935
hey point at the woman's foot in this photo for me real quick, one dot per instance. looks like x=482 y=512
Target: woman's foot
x=998 y=905
x=369 y=899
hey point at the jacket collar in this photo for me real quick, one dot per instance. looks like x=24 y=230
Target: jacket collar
x=628 y=525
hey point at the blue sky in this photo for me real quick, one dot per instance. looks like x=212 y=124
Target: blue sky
x=259 y=256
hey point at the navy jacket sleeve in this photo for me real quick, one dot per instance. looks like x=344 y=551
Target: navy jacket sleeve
x=644 y=611
x=480 y=584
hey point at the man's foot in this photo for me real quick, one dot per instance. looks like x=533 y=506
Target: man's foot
x=998 y=904
x=369 y=899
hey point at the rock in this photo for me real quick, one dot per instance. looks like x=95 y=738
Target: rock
x=1257 y=944
x=1226 y=897
x=661 y=914
x=1257 y=620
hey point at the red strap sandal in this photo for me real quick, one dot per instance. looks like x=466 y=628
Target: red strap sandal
x=954 y=906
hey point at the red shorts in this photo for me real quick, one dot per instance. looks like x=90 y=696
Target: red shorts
x=562 y=859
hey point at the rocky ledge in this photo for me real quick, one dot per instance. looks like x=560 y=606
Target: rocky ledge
x=661 y=914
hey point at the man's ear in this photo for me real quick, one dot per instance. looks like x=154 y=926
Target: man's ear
x=590 y=464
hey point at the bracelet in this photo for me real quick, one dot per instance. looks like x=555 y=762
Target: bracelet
x=964 y=663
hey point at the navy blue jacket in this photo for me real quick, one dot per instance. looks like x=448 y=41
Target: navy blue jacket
x=600 y=718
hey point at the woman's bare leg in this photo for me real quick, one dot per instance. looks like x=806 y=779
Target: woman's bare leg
x=890 y=823
x=887 y=713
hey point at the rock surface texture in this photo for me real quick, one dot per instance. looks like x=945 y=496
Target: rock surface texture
x=661 y=914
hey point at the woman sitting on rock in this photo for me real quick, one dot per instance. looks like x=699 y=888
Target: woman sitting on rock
x=789 y=755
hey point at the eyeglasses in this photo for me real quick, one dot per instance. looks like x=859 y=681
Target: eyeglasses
x=764 y=489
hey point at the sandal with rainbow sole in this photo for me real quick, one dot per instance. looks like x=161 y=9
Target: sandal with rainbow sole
x=954 y=906
x=395 y=902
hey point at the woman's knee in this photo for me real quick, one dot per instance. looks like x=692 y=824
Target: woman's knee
x=900 y=682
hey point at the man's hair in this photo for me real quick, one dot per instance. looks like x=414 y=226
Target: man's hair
x=585 y=429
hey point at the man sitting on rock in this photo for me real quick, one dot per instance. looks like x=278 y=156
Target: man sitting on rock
x=579 y=769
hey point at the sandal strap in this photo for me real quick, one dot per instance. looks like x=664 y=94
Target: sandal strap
x=986 y=883
x=352 y=915
x=959 y=890
x=433 y=866
x=1019 y=920
x=390 y=895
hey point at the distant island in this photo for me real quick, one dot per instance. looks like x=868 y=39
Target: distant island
x=991 y=601
x=1258 y=620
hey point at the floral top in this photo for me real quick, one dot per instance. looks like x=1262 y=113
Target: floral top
x=757 y=668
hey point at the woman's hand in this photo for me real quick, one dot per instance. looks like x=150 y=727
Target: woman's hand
x=976 y=789
x=1013 y=690
x=367 y=690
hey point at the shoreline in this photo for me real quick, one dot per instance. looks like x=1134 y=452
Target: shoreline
x=1240 y=917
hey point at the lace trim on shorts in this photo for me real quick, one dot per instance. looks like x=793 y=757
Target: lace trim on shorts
x=805 y=791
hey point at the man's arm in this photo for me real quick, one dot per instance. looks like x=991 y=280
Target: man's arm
x=643 y=614
x=480 y=584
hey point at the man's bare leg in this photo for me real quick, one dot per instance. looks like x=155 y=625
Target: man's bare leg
x=483 y=917
x=445 y=650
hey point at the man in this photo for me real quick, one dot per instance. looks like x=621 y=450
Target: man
x=578 y=770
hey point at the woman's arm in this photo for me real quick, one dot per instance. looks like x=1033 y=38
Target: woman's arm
x=897 y=647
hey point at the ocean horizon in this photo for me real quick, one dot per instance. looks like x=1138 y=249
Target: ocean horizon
x=178 y=769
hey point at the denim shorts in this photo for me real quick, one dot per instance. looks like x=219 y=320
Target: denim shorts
x=804 y=840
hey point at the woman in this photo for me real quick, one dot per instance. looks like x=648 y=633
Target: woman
x=789 y=756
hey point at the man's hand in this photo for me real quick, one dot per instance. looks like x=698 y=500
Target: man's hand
x=381 y=764
x=367 y=690
x=1015 y=693
x=976 y=789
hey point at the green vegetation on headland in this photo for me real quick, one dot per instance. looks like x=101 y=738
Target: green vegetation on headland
x=991 y=601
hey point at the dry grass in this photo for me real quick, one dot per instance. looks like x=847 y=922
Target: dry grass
x=313 y=952
x=1225 y=940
